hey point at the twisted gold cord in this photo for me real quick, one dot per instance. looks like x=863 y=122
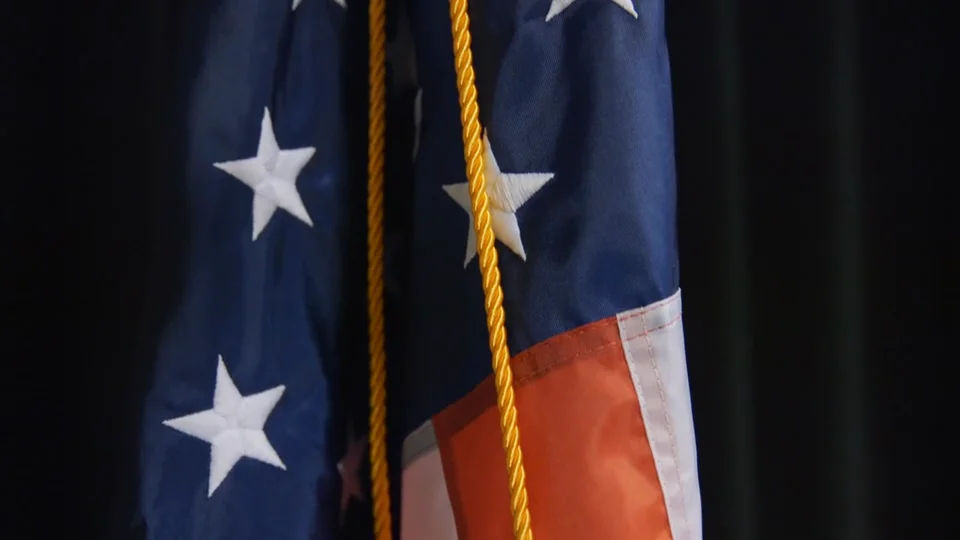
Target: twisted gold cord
x=380 y=481
x=489 y=271
x=493 y=293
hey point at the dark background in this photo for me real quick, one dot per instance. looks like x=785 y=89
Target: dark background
x=816 y=262
x=817 y=258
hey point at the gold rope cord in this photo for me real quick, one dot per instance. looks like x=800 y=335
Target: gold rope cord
x=489 y=271
x=380 y=481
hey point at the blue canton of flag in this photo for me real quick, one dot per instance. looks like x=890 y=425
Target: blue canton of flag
x=242 y=432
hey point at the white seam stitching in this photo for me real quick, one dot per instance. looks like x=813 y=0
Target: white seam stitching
x=666 y=415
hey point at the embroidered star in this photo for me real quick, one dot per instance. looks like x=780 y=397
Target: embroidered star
x=507 y=192
x=558 y=6
x=296 y=4
x=349 y=468
x=272 y=175
x=233 y=427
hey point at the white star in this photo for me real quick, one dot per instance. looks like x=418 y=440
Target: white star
x=272 y=175
x=558 y=6
x=233 y=427
x=507 y=192
x=296 y=4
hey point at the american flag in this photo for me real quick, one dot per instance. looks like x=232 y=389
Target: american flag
x=253 y=426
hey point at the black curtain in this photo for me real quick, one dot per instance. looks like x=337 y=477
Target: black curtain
x=815 y=258
x=816 y=246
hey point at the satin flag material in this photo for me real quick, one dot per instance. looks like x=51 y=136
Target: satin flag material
x=243 y=425
x=576 y=111
x=607 y=438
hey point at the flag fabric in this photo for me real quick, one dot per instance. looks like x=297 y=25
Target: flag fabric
x=576 y=108
x=244 y=427
x=254 y=423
